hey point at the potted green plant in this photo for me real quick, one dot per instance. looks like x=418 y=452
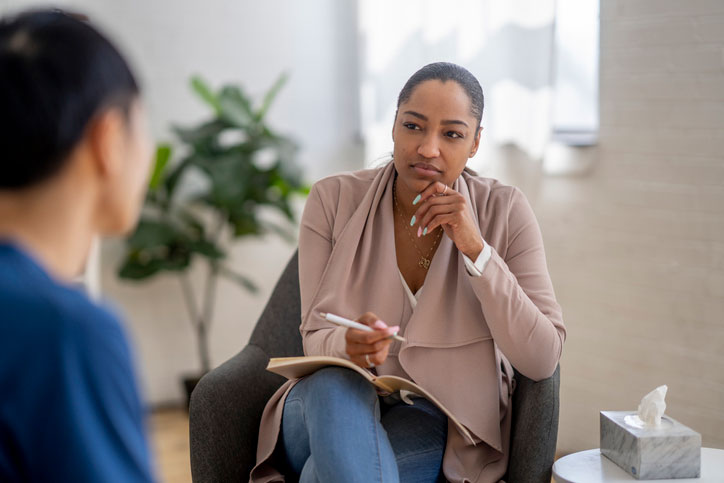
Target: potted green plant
x=237 y=165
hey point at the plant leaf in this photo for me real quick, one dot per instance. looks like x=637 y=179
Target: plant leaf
x=205 y=93
x=172 y=179
x=201 y=133
x=271 y=95
x=192 y=222
x=235 y=107
x=134 y=270
x=152 y=233
x=245 y=224
x=163 y=154
x=207 y=249
x=242 y=280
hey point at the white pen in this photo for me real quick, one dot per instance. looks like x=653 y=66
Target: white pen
x=336 y=319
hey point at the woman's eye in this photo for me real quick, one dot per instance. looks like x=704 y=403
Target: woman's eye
x=454 y=135
x=411 y=125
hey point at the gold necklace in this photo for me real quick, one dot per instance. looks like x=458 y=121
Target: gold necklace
x=424 y=261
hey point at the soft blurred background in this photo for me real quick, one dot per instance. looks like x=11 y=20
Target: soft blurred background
x=609 y=117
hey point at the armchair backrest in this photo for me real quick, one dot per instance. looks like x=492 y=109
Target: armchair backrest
x=277 y=330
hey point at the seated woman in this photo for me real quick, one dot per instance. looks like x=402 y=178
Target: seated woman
x=75 y=162
x=451 y=261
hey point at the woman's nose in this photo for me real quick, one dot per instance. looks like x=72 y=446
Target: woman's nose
x=429 y=147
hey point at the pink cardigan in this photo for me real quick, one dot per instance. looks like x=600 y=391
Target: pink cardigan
x=465 y=332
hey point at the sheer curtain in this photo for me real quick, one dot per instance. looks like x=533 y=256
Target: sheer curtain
x=509 y=45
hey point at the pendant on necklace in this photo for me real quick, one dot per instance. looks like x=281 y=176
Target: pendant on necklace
x=424 y=263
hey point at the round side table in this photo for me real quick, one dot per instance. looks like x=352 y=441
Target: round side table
x=592 y=467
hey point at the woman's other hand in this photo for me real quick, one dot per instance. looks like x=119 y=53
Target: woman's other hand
x=369 y=349
x=440 y=205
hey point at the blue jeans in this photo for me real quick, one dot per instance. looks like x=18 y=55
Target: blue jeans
x=335 y=428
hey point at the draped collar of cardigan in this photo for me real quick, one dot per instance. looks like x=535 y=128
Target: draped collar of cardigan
x=449 y=349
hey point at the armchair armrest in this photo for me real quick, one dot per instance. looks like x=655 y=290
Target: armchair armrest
x=224 y=415
x=534 y=432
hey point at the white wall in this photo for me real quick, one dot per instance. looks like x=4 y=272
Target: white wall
x=244 y=41
x=636 y=249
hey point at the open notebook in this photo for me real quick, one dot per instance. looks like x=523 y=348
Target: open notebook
x=296 y=367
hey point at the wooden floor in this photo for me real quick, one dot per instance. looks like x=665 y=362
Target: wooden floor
x=170 y=440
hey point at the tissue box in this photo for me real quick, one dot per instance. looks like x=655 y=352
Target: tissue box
x=670 y=451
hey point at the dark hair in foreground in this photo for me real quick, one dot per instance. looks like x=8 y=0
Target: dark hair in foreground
x=56 y=74
x=445 y=71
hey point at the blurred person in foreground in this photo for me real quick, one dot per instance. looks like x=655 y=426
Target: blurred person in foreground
x=74 y=162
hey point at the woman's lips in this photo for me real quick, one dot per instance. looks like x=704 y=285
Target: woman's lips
x=425 y=169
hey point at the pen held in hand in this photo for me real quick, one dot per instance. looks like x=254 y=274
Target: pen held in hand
x=336 y=319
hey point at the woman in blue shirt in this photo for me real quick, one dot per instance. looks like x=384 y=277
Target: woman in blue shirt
x=74 y=160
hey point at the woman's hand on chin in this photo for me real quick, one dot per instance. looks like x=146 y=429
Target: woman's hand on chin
x=440 y=205
x=369 y=349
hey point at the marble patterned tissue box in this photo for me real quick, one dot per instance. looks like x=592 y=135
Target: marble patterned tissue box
x=669 y=451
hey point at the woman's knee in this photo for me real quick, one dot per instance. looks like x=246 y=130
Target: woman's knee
x=333 y=381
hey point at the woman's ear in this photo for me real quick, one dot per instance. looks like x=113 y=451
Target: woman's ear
x=106 y=135
x=476 y=142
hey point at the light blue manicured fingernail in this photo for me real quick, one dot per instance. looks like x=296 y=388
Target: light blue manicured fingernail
x=424 y=232
x=412 y=222
x=416 y=200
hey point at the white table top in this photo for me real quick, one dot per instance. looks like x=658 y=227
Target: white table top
x=592 y=467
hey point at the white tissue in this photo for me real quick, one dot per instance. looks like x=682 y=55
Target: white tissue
x=652 y=407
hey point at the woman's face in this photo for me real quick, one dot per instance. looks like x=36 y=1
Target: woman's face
x=434 y=135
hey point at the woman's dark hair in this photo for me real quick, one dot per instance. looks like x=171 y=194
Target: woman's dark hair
x=445 y=71
x=56 y=73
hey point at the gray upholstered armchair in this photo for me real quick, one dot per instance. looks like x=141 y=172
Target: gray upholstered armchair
x=227 y=404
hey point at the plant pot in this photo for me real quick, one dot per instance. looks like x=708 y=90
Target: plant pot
x=189 y=383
